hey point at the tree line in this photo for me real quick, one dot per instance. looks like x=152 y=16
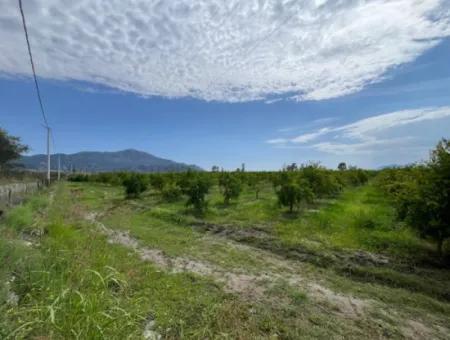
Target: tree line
x=295 y=188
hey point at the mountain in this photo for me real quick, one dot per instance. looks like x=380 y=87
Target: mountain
x=94 y=161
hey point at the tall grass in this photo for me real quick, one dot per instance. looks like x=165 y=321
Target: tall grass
x=74 y=285
x=20 y=217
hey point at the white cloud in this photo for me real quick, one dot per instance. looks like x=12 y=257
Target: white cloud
x=368 y=134
x=277 y=141
x=234 y=50
x=371 y=125
x=310 y=136
x=369 y=145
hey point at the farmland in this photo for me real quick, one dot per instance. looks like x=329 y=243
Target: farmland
x=267 y=169
x=83 y=260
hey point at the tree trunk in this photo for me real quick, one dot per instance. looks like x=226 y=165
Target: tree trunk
x=291 y=207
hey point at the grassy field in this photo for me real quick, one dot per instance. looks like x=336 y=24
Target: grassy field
x=82 y=262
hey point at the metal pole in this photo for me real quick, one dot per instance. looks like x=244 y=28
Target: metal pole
x=48 y=155
x=59 y=167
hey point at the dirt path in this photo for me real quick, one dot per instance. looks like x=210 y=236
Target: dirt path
x=256 y=287
x=248 y=286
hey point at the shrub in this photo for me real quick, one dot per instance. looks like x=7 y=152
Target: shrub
x=293 y=194
x=171 y=193
x=157 y=182
x=436 y=193
x=196 y=187
x=354 y=176
x=134 y=185
x=78 y=178
x=231 y=186
x=184 y=180
x=109 y=178
x=255 y=182
x=421 y=194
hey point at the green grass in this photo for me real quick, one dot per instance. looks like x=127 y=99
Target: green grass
x=72 y=283
x=360 y=219
x=76 y=285
x=20 y=217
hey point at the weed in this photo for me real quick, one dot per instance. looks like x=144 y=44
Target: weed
x=363 y=220
x=20 y=217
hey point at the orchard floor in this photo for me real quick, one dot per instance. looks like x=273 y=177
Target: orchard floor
x=82 y=262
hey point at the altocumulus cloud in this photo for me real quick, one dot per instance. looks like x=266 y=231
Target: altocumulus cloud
x=235 y=50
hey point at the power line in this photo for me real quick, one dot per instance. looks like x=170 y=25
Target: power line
x=32 y=65
x=38 y=92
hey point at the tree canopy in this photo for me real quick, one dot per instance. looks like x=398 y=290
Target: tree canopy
x=10 y=148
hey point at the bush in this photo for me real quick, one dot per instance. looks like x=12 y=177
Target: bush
x=134 y=185
x=231 y=186
x=109 y=178
x=320 y=181
x=78 y=178
x=354 y=176
x=171 y=193
x=196 y=187
x=293 y=194
x=255 y=182
x=157 y=182
x=421 y=194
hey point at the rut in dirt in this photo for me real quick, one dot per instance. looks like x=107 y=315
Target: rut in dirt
x=249 y=286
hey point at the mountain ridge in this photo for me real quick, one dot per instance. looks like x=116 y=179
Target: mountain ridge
x=106 y=161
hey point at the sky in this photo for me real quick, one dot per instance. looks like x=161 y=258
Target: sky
x=260 y=82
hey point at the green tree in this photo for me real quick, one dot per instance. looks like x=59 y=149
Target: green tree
x=292 y=167
x=254 y=181
x=231 y=186
x=157 y=181
x=322 y=181
x=428 y=197
x=196 y=187
x=10 y=148
x=342 y=166
x=171 y=192
x=293 y=193
x=184 y=180
x=134 y=184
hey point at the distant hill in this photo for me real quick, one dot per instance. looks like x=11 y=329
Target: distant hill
x=94 y=161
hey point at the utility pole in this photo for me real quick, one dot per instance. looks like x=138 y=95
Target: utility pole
x=48 y=155
x=59 y=167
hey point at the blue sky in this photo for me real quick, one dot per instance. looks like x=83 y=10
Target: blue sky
x=364 y=82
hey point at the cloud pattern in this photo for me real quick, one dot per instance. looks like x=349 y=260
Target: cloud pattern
x=235 y=50
x=366 y=135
